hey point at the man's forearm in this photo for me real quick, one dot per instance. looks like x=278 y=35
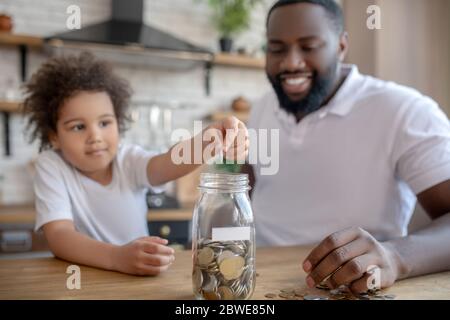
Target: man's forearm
x=425 y=251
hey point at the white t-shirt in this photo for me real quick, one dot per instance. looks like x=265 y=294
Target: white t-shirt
x=359 y=161
x=116 y=213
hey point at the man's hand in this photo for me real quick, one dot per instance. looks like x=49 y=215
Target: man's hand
x=143 y=256
x=349 y=254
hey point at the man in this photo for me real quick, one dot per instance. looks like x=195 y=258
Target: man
x=355 y=155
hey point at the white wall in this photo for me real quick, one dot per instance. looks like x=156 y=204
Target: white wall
x=412 y=48
x=188 y=19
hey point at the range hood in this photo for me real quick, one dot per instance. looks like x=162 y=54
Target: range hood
x=126 y=32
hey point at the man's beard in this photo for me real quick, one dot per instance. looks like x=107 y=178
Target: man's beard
x=320 y=90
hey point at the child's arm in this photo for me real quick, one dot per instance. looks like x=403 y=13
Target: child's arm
x=233 y=141
x=143 y=256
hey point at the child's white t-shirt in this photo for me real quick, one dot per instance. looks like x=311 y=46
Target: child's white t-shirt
x=116 y=213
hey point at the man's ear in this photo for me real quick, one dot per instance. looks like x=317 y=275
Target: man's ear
x=343 y=46
x=53 y=138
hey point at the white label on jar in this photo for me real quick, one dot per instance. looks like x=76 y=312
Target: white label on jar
x=231 y=234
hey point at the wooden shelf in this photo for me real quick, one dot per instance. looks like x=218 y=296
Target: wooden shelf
x=9 y=106
x=219 y=115
x=20 y=39
x=237 y=60
x=170 y=215
x=25 y=214
x=223 y=59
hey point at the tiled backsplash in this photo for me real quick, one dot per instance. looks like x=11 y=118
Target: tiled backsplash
x=188 y=19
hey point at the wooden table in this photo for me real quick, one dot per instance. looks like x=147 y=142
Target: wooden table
x=277 y=268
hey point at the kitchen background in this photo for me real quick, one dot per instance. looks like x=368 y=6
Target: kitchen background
x=412 y=48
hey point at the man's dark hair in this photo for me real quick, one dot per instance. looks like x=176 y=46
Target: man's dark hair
x=60 y=79
x=333 y=10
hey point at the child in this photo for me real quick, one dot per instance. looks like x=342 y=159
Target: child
x=90 y=190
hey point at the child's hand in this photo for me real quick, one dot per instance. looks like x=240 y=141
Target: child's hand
x=235 y=141
x=143 y=256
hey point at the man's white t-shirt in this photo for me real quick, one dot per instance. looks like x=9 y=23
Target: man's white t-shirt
x=358 y=161
x=116 y=213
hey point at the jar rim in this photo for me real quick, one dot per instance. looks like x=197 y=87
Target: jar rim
x=224 y=182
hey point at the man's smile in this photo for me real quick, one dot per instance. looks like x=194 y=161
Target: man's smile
x=296 y=85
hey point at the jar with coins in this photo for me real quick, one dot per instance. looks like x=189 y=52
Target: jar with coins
x=223 y=239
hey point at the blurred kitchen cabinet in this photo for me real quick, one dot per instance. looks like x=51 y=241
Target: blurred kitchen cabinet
x=187 y=187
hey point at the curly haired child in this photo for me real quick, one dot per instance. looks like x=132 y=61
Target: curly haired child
x=90 y=189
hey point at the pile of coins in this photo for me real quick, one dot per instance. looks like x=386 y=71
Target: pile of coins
x=341 y=293
x=223 y=270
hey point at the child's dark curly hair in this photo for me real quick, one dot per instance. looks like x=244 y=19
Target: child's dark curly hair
x=61 y=78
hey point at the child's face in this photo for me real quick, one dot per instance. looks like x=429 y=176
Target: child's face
x=87 y=133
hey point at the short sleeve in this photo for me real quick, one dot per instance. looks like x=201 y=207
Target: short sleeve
x=422 y=147
x=259 y=106
x=52 y=199
x=256 y=111
x=135 y=162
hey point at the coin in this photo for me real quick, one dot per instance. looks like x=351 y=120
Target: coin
x=210 y=283
x=341 y=293
x=299 y=292
x=225 y=254
x=205 y=256
x=225 y=293
x=335 y=292
x=322 y=286
x=315 y=297
x=211 y=295
x=238 y=249
x=232 y=268
x=197 y=276
x=287 y=290
x=285 y=295
x=225 y=269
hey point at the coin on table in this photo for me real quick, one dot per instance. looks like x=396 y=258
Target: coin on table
x=205 y=256
x=232 y=268
x=314 y=297
x=335 y=292
x=299 y=292
x=287 y=290
x=224 y=255
x=225 y=293
x=270 y=295
x=285 y=295
x=322 y=286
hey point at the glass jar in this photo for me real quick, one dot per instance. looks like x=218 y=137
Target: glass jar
x=223 y=239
